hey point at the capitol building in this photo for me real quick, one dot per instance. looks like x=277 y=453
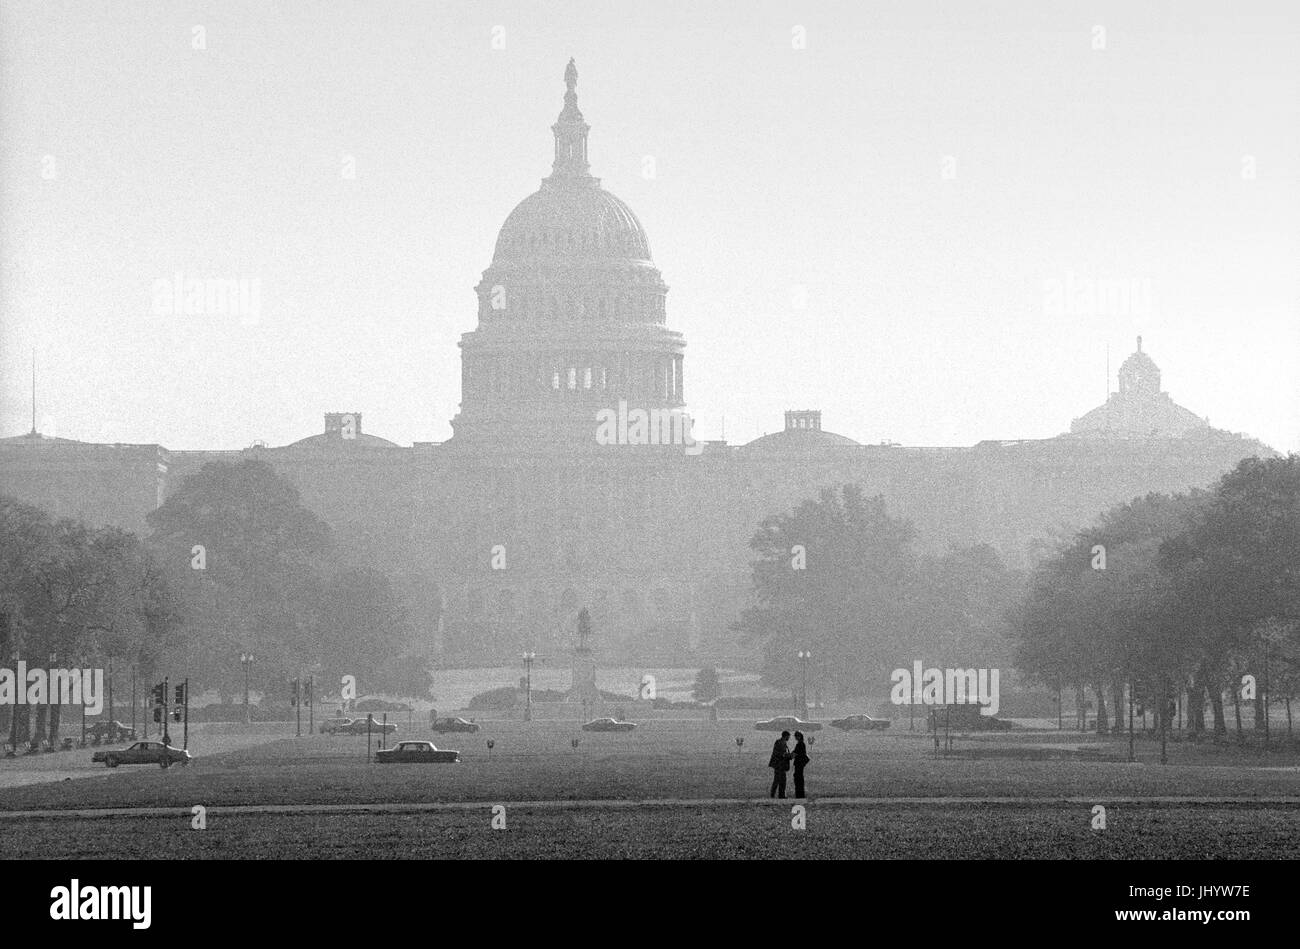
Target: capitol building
x=497 y=537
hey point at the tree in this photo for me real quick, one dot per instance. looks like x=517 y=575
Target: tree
x=363 y=631
x=261 y=555
x=834 y=577
x=1243 y=555
x=75 y=596
x=1107 y=609
x=707 y=687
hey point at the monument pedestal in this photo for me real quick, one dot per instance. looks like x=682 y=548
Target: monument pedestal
x=583 y=691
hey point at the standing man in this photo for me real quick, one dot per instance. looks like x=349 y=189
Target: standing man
x=801 y=760
x=780 y=764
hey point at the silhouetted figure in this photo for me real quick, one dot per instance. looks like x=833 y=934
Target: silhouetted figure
x=780 y=764
x=800 y=761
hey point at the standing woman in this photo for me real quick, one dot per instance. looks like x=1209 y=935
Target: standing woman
x=800 y=761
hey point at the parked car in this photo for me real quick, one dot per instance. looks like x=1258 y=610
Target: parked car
x=356 y=726
x=453 y=725
x=787 y=723
x=144 y=752
x=360 y=726
x=608 y=725
x=334 y=726
x=860 y=723
x=416 y=752
x=111 y=732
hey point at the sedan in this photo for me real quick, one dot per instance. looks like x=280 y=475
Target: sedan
x=416 y=752
x=608 y=725
x=453 y=725
x=860 y=723
x=144 y=752
x=361 y=726
x=110 y=732
x=787 y=723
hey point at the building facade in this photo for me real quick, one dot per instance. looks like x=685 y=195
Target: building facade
x=500 y=535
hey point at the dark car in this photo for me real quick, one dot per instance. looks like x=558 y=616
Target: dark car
x=416 y=752
x=860 y=723
x=144 y=752
x=608 y=725
x=783 y=723
x=453 y=725
x=110 y=732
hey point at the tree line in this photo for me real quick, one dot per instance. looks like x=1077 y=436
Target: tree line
x=233 y=565
x=1193 y=596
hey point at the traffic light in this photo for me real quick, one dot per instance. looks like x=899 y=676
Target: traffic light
x=157 y=713
x=293 y=694
x=159 y=693
x=176 y=714
x=179 y=692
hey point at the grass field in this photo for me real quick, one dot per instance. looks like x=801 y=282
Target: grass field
x=710 y=799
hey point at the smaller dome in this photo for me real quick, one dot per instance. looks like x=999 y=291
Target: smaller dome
x=325 y=440
x=803 y=432
x=802 y=440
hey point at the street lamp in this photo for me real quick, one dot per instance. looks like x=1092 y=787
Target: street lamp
x=528 y=679
x=247 y=659
x=804 y=655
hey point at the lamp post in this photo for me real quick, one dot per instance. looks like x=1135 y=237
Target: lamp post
x=528 y=685
x=247 y=659
x=804 y=655
x=50 y=701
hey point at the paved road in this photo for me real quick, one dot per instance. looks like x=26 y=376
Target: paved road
x=206 y=739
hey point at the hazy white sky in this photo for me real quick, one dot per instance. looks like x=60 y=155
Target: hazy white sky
x=818 y=256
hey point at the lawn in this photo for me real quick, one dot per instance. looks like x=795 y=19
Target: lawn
x=691 y=760
x=696 y=831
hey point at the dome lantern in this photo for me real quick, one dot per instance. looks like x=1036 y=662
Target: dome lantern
x=570 y=132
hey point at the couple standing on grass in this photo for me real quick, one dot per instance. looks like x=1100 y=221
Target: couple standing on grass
x=782 y=758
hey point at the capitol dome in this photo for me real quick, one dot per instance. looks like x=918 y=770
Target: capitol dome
x=580 y=220
x=571 y=215
x=571 y=312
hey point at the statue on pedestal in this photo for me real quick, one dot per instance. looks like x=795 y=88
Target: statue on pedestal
x=583 y=690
